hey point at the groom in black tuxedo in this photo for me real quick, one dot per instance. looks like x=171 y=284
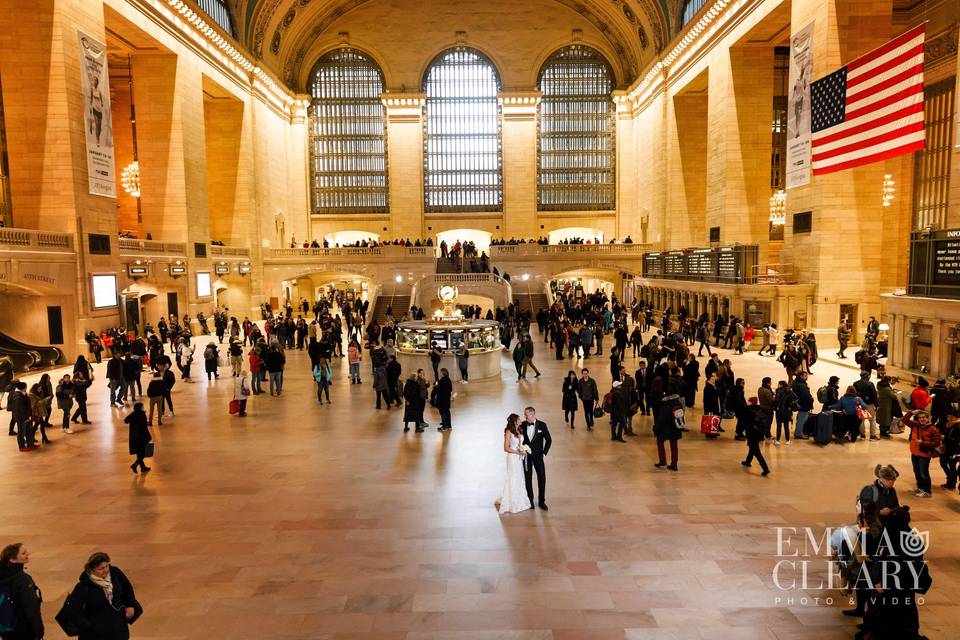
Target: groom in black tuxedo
x=537 y=437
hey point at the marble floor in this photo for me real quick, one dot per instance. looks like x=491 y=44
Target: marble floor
x=316 y=522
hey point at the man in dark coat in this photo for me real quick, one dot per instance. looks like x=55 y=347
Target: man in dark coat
x=691 y=377
x=619 y=405
x=535 y=434
x=587 y=390
x=393 y=378
x=411 y=411
x=444 y=394
x=756 y=430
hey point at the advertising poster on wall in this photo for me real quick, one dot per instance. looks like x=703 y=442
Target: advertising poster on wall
x=97 y=120
x=798 y=108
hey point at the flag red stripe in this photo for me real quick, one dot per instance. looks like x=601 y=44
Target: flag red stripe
x=869 y=142
x=875 y=157
x=893 y=98
x=892 y=63
x=890 y=46
x=886 y=84
x=870 y=124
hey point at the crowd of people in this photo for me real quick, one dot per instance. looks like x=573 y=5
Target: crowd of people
x=667 y=378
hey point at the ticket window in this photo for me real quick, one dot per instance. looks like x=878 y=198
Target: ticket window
x=922 y=348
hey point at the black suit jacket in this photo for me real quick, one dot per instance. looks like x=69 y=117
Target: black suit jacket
x=541 y=441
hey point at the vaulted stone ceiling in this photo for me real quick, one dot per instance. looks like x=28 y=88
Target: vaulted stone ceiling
x=289 y=35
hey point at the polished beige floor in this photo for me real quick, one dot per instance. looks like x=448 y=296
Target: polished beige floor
x=303 y=521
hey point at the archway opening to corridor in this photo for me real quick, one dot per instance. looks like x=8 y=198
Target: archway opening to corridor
x=480 y=239
x=576 y=235
x=350 y=238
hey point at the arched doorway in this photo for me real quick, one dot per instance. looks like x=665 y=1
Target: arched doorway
x=480 y=239
x=575 y=233
x=351 y=238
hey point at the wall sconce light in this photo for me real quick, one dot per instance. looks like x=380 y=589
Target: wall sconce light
x=888 y=190
x=951 y=338
x=778 y=208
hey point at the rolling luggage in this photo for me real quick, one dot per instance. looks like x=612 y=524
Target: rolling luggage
x=824 y=429
x=810 y=426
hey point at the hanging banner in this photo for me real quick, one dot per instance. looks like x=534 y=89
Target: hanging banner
x=97 y=121
x=798 y=108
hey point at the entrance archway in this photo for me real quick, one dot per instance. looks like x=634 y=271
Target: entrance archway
x=350 y=238
x=479 y=238
x=575 y=233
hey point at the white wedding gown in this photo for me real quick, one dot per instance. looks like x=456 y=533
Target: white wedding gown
x=514 y=497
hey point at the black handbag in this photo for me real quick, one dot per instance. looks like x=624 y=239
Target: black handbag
x=598 y=412
x=66 y=620
x=148 y=450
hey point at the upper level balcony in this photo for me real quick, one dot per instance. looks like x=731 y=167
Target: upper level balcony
x=386 y=253
x=32 y=241
x=152 y=248
x=566 y=251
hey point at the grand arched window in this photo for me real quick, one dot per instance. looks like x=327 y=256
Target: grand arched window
x=576 y=145
x=348 y=153
x=461 y=134
x=690 y=9
x=218 y=10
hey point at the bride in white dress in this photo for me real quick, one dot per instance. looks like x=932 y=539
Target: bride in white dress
x=514 y=497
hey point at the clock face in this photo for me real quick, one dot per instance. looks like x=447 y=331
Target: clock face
x=447 y=292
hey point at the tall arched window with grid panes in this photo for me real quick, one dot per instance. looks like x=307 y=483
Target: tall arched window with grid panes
x=220 y=12
x=576 y=147
x=348 y=142
x=462 y=156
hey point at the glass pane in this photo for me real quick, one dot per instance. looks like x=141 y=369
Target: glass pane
x=462 y=158
x=576 y=144
x=348 y=160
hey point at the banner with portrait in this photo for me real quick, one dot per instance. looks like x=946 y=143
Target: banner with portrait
x=97 y=120
x=798 y=108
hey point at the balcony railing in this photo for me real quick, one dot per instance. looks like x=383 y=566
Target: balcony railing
x=222 y=251
x=135 y=247
x=32 y=240
x=532 y=249
x=354 y=252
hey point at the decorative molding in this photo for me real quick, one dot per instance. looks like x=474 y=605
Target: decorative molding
x=404 y=107
x=941 y=48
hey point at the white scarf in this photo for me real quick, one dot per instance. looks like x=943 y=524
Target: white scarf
x=104 y=583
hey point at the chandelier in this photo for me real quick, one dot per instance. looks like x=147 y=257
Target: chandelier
x=130 y=179
x=888 y=190
x=778 y=208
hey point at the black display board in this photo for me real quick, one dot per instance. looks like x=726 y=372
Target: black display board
x=720 y=264
x=935 y=263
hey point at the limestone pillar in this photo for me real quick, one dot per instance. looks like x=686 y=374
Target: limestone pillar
x=404 y=112
x=519 y=136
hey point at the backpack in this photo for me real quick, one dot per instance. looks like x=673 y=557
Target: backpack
x=823 y=394
x=644 y=351
x=8 y=613
x=607 y=401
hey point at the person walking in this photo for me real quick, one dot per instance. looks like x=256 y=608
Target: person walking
x=784 y=402
x=618 y=411
x=843 y=339
x=668 y=426
x=528 y=357
x=103 y=604
x=518 y=360
x=80 y=386
x=925 y=442
x=380 y=386
x=241 y=391
x=211 y=357
x=443 y=398
x=138 y=436
x=155 y=392
x=868 y=393
x=569 y=403
x=64 y=395
x=354 y=356
x=463 y=362
x=274 y=360
x=22 y=593
x=322 y=375
x=587 y=390
x=756 y=432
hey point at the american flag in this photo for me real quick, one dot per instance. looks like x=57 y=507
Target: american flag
x=872 y=108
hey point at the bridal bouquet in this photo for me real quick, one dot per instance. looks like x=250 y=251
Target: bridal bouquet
x=523 y=450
